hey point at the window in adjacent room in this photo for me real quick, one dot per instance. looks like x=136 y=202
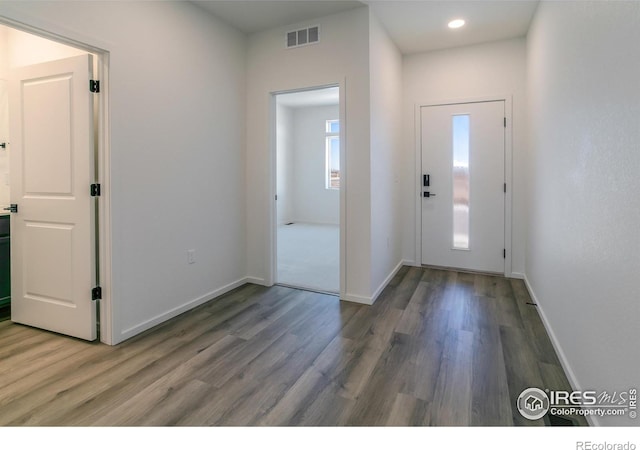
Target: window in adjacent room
x=332 y=148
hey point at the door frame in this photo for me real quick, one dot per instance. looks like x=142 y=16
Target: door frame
x=273 y=211
x=508 y=170
x=103 y=161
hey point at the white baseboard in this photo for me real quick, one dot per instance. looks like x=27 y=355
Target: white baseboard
x=386 y=281
x=256 y=280
x=143 y=326
x=517 y=275
x=571 y=376
x=411 y=263
x=357 y=299
x=371 y=300
x=303 y=222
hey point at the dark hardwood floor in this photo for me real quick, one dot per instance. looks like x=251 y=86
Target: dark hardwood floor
x=437 y=348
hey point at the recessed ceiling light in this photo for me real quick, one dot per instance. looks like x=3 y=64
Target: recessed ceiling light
x=457 y=23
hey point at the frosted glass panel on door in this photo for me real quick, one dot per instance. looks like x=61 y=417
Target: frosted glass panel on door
x=461 y=193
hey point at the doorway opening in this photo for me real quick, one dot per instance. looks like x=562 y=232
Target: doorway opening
x=309 y=179
x=20 y=49
x=37 y=85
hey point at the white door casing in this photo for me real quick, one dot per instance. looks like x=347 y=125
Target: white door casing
x=481 y=249
x=52 y=166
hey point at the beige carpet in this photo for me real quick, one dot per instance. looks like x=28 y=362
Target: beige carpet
x=309 y=256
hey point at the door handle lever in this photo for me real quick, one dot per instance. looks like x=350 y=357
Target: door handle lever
x=428 y=194
x=13 y=208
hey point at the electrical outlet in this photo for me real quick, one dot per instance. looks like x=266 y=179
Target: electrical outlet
x=191 y=256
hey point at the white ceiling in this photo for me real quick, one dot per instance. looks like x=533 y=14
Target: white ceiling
x=414 y=25
x=316 y=97
x=251 y=16
x=419 y=26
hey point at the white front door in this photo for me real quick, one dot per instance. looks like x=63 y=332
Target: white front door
x=52 y=166
x=462 y=185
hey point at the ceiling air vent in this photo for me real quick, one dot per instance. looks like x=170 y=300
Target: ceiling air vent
x=304 y=36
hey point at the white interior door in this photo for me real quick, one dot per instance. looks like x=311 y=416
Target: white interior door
x=463 y=186
x=52 y=145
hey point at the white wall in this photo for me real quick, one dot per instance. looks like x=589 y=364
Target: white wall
x=468 y=72
x=312 y=202
x=386 y=154
x=177 y=81
x=4 y=51
x=24 y=49
x=302 y=196
x=583 y=254
x=284 y=159
x=342 y=56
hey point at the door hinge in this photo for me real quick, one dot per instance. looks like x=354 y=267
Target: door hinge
x=95 y=190
x=504 y=253
x=505 y=122
x=94 y=86
x=505 y=188
x=96 y=293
